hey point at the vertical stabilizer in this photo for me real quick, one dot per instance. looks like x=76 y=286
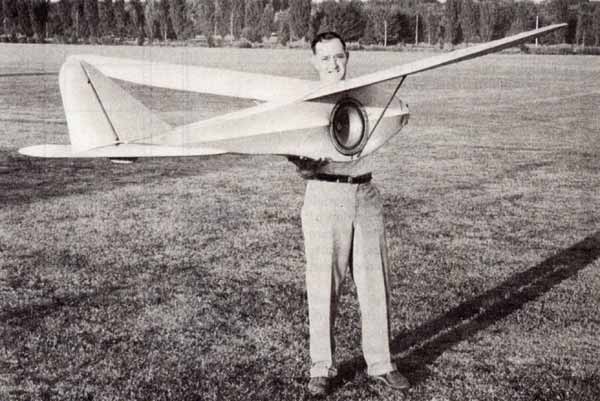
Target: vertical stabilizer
x=99 y=112
x=88 y=125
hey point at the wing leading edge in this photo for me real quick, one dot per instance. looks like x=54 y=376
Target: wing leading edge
x=429 y=63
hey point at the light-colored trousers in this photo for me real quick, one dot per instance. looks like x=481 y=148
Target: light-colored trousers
x=343 y=228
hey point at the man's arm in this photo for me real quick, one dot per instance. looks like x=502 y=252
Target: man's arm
x=306 y=167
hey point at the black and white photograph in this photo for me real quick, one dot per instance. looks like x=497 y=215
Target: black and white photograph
x=259 y=200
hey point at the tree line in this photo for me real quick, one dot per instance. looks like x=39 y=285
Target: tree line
x=383 y=22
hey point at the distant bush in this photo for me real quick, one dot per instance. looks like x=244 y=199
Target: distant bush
x=243 y=43
x=107 y=40
x=588 y=50
x=252 y=34
x=354 y=46
x=228 y=40
x=400 y=47
x=215 y=41
x=563 y=49
x=550 y=49
x=298 y=44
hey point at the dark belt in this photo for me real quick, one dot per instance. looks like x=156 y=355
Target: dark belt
x=345 y=179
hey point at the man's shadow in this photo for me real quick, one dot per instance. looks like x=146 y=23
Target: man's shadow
x=431 y=339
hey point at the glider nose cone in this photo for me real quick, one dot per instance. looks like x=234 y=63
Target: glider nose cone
x=349 y=126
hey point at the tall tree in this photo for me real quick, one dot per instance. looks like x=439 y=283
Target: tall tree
x=120 y=19
x=378 y=22
x=24 y=17
x=200 y=14
x=280 y=5
x=314 y=24
x=266 y=21
x=596 y=25
x=522 y=17
x=354 y=20
x=128 y=23
x=236 y=18
x=163 y=18
x=402 y=26
x=177 y=13
x=453 y=29
x=90 y=10
x=299 y=18
x=585 y=24
x=107 y=17
x=433 y=14
x=65 y=20
x=282 y=19
x=330 y=16
x=504 y=19
x=11 y=17
x=252 y=16
x=150 y=19
x=488 y=16
x=276 y=5
x=1 y=17
x=138 y=20
x=559 y=12
x=469 y=20
x=39 y=17
x=80 y=30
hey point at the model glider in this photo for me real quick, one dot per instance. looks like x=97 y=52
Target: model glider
x=341 y=121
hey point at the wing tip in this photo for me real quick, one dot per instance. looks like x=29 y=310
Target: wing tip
x=47 y=150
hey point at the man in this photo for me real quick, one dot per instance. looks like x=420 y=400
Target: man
x=342 y=223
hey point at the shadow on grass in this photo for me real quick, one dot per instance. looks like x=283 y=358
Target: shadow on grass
x=24 y=180
x=431 y=339
x=30 y=315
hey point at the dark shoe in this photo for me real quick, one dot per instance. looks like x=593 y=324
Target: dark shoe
x=319 y=386
x=393 y=379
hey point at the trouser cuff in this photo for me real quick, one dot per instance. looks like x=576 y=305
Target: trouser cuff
x=322 y=371
x=381 y=368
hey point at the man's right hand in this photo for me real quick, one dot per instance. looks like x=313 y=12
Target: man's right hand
x=306 y=167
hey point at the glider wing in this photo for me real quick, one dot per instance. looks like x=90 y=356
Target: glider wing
x=200 y=79
x=300 y=117
x=429 y=63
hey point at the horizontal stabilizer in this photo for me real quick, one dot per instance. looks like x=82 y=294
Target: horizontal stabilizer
x=117 y=151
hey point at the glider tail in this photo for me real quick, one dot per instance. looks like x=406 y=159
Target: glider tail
x=101 y=113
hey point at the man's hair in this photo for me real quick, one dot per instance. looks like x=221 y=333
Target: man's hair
x=325 y=36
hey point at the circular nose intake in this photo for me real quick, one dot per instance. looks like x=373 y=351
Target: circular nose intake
x=348 y=127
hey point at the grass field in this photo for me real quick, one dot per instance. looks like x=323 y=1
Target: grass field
x=183 y=279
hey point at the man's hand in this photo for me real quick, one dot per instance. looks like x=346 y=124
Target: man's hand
x=306 y=167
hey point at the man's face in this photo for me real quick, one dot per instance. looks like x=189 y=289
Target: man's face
x=330 y=60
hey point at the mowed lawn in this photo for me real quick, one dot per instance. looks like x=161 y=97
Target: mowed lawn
x=183 y=279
